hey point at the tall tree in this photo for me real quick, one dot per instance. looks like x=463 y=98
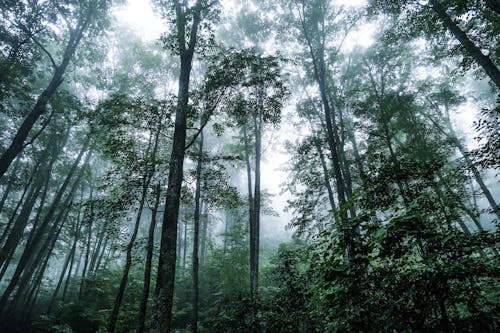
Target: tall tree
x=183 y=41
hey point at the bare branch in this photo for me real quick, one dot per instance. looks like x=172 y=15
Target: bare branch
x=46 y=52
x=39 y=132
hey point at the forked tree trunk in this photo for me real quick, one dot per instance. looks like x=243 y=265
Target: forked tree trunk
x=166 y=265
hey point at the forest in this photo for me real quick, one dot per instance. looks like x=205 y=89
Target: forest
x=261 y=166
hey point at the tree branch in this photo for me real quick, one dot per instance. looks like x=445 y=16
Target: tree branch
x=54 y=65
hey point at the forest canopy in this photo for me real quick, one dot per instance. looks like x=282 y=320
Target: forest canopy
x=249 y=166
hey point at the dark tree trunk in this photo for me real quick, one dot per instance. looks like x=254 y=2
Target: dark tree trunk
x=255 y=227
x=90 y=221
x=318 y=59
x=148 y=174
x=69 y=257
x=101 y=255
x=472 y=50
x=326 y=176
x=149 y=262
x=128 y=264
x=452 y=136
x=31 y=249
x=22 y=220
x=196 y=236
x=251 y=203
x=97 y=248
x=44 y=256
x=71 y=263
x=166 y=265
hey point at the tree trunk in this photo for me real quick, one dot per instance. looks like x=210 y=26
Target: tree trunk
x=9 y=185
x=166 y=265
x=128 y=264
x=332 y=138
x=251 y=203
x=472 y=50
x=204 y=229
x=196 y=236
x=31 y=249
x=470 y=165
x=255 y=227
x=326 y=177
x=71 y=263
x=89 y=240
x=64 y=268
x=22 y=220
x=97 y=248
x=149 y=261
x=148 y=174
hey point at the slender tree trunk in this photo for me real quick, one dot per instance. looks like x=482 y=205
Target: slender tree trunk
x=69 y=257
x=180 y=237
x=101 y=255
x=9 y=184
x=31 y=249
x=472 y=50
x=42 y=256
x=251 y=203
x=451 y=134
x=326 y=177
x=97 y=248
x=149 y=262
x=332 y=139
x=204 y=229
x=184 y=244
x=71 y=263
x=22 y=220
x=196 y=236
x=148 y=174
x=128 y=264
x=226 y=228
x=89 y=241
x=255 y=228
